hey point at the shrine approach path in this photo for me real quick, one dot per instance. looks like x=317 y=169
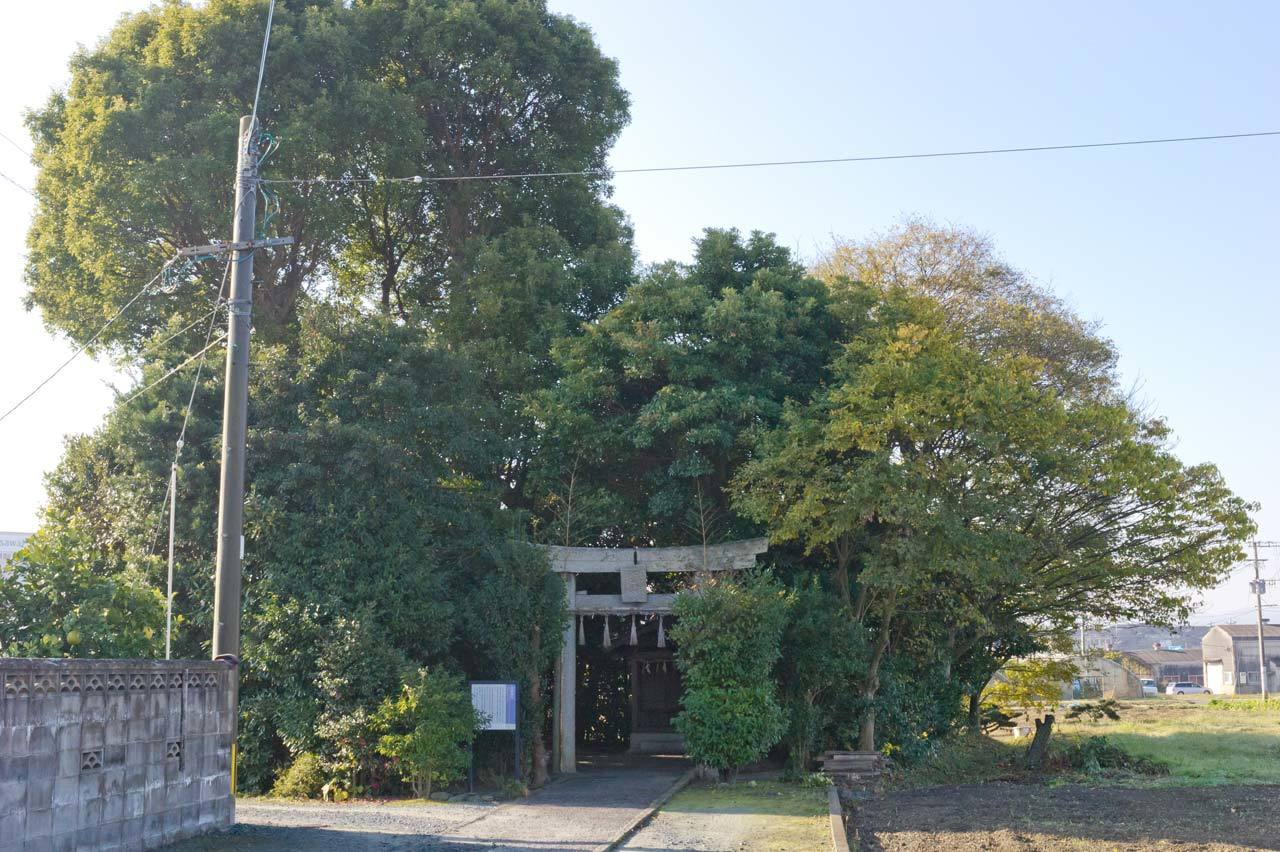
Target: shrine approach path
x=578 y=813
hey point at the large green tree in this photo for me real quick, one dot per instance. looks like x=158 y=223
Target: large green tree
x=650 y=417
x=922 y=474
x=135 y=158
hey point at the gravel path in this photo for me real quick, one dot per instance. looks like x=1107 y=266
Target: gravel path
x=579 y=813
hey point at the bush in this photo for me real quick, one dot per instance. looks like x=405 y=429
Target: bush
x=302 y=780
x=729 y=637
x=726 y=727
x=426 y=730
x=1093 y=755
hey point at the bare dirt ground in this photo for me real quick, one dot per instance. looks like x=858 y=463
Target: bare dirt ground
x=1004 y=817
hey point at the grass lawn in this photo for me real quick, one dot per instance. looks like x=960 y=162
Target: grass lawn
x=1201 y=742
x=760 y=816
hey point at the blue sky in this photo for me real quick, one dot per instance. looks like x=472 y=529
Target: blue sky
x=1173 y=248
x=1170 y=247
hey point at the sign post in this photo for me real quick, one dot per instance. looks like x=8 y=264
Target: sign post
x=499 y=702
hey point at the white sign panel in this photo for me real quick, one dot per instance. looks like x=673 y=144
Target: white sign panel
x=497 y=701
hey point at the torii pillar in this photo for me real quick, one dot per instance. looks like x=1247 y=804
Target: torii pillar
x=633 y=566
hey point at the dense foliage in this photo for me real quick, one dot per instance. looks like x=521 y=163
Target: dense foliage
x=446 y=372
x=730 y=637
x=426 y=730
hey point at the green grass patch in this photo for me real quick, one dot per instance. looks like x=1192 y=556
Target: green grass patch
x=1201 y=743
x=755 y=816
x=773 y=798
x=962 y=759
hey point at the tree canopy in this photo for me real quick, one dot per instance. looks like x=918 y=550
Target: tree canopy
x=446 y=371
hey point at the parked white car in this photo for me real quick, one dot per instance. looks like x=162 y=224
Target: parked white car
x=1186 y=688
x=1149 y=687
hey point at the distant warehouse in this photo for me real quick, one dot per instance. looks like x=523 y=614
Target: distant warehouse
x=1165 y=666
x=1230 y=653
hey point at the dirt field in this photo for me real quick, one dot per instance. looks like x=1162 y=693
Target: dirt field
x=1003 y=817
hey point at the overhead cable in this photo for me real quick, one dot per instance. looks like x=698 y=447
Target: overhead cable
x=9 y=139
x=91 y=340
x=18 y=185
x=262 y=66
x=605 y=172
x=199 y=354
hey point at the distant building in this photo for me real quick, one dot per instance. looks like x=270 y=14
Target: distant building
x=11 y=543
x=1140 y=637
x=1165 y=666
x=1099 y=677
x=1230 y=653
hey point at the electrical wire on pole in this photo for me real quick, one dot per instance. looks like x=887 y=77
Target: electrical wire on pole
x=97 y=334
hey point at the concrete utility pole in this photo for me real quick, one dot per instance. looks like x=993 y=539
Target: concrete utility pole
x=1258 y=587
x=226 y=596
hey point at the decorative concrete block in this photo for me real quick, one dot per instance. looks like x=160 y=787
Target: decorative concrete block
x=113 y=754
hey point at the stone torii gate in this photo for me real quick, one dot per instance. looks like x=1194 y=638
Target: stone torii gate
x=632 y=565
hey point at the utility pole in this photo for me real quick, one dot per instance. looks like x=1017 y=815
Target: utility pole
x=1259 y=586
x=226 y=595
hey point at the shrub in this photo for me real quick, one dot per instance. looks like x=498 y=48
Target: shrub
x=302 y=780
x=426 y=729
x=729 y=637
x=726 y=727
x=1096 y=754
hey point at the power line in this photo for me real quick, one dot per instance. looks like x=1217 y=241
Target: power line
x=18 y=185
x=91 y=340
x=186 y=417
x=6 y=138
x=262 y=67
x=199 y=354
x=190 y=325
x=770 y=163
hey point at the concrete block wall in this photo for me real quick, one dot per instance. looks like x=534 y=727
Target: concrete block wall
x=113 y=754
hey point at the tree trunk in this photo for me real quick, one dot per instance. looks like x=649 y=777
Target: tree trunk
x=538 y=772
x=867 y=729
x=975 y=713
x=1040 y=742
